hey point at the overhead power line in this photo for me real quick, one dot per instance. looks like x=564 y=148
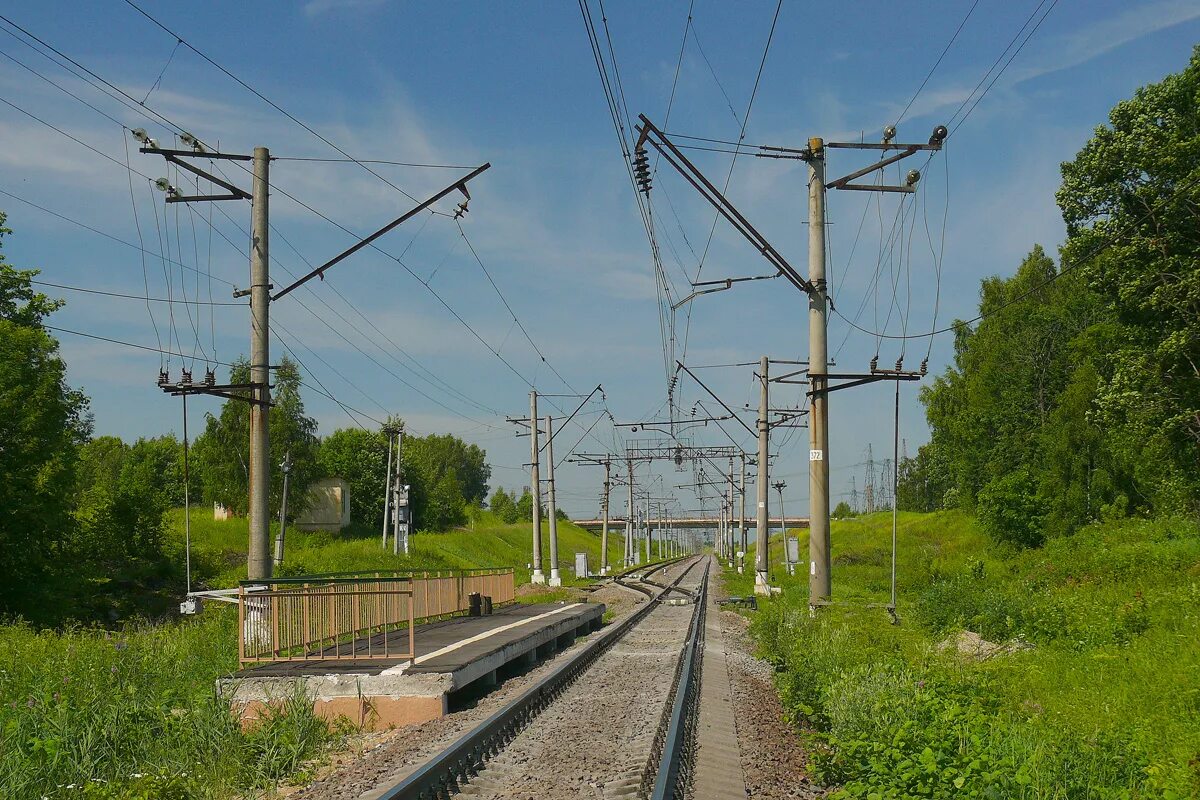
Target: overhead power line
x=98 y=232
x=263 y=97
x=132 y=296
x=1063 y=270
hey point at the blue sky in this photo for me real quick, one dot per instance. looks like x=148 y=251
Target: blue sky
x=554 y=220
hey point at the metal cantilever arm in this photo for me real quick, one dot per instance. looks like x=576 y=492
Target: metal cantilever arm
x=675 y=157
x=460 y=185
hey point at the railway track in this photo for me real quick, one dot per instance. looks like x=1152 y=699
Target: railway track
x=616 y=720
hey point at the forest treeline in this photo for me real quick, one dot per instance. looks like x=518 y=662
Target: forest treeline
x=1076 y=396
x=82 y=530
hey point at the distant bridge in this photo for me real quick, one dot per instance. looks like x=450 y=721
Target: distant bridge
x=690 y=522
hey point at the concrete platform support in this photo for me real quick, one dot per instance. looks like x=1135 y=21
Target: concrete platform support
x=451 y=655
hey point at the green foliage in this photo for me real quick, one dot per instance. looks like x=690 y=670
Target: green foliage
x=222 y=452
x=360 y=458
x=924 y=481
x=1129 y=199
x=525 y=506
x=1009 y=510
x=843 y=510
x=131 y=714
x=1101 y=705
x=446 y=475
x=42 y=423
x=1084 y=381
x=504 y=506
x=1012 y=432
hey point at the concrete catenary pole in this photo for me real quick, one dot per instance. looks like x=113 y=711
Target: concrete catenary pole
x=742 y=514
x=555 y=577
x=387 y=487
x=397 y=521
x=535 y=488
x=286 y=466
x=258 y=557
x=761 y=533
x=818 y=420
x=629 y=519
x=649 y=532
x=604 y=527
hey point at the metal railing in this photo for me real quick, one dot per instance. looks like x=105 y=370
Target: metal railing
x=355 y=616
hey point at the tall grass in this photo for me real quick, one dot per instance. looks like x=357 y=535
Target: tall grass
x=1105 y=703
x=132 y=713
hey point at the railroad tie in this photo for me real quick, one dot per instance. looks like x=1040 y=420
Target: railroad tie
x=718 y=772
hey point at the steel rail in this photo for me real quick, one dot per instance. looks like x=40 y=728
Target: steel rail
x=672 y=777
x=446 y=773
x=623 y=579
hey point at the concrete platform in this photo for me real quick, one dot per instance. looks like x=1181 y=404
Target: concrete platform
x=451 y=655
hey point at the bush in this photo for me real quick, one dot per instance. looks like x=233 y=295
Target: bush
x=1009 y=511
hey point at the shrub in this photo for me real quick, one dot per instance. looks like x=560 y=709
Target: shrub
x=1009 y=511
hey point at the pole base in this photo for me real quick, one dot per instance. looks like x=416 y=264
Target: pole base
x=761 y=586
x=537 y=577
x=555 y=578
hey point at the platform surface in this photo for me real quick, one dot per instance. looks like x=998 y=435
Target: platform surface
x=449 y=645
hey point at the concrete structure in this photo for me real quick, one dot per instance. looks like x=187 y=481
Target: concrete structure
x=451 y=655
x=328 y=506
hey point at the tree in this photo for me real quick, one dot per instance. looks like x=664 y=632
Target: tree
x=442 y=504
x=360 y=458
x=503 y=506
x=42 y=423
x=923 y=480
x=1129 y=200
x=222 y=451
x=157 y=462
x=525 y=506
x=1009 y=510
x=1014 y=402
x=437 y=467
x=843 y=510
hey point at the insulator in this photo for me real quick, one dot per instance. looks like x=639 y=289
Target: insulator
x=899 y=364
x=163 y=377
x=186 y=380
x=210 y=378
x=874 y=363
x=939 y=135
x=924 y=366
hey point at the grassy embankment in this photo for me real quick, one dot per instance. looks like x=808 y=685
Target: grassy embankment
x=1105 y=703
x=130 y=713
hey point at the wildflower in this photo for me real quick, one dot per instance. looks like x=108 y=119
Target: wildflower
x=56 y=697
x=920 y=684
x=66 y=679
x=30 y=703
x=120 y=644
x=113 y=669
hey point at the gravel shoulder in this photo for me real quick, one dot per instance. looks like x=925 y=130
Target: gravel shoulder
x=774 y=763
